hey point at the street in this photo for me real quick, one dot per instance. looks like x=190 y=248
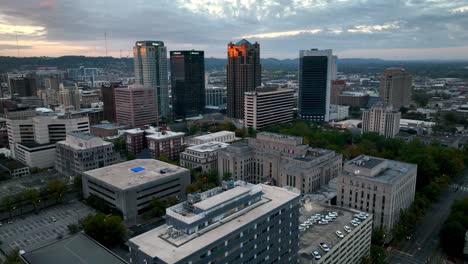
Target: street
x=424 y=241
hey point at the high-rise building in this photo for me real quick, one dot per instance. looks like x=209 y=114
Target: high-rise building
x=316 y=69
x=268 y=106
x=135 y=106
x=381 y=119
x=81 y=152
x=187 y=83
x=337 y=87
x=235 y=223
x=243 y=75
x=377 y=186
x=108 y=99
x=22 y=85
x=280 y=160
x=216 y=98
x=151 y=71
x=69 y=95
x=396 y=88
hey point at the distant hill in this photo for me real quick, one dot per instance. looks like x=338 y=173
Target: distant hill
x=125 y=65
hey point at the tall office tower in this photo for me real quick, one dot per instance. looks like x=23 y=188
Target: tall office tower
x=135 y=106
x=22 y=85
x=396 y=88
x=268 y=106
x=316 y=69
x=378 y=186
x=236 y=223
x=187 y=83
x=151 y=71
x=381 y=119
x=69 y=95
x=243 y=75
x=108 y=99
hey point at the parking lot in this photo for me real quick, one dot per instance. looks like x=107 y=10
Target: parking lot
x=32 y=231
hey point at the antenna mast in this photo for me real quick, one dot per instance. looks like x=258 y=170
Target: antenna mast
x=105 y=40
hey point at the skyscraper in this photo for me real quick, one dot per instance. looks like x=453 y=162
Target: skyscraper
x=135 y=107
x=243 y=74
x=187 y=83
x=22 y=85
x=316 y=69
x=151 y=71
x=396 y=88
x=108 y=98
x=69 y=95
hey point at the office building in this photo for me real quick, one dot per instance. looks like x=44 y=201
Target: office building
x=151 y=71
x=69 y=95
x=221 y=136
x=280 y=160
x=82 y=152
x=268 y=106
x=135 y=106
x=216 y=97
x=106 y=129
x=21 y=85
x=353 y=99
x=187 y=83
x=130 y=186
x=243 y=75
x=236 y=223
x=350 y=245
x=90 y=99
x=377 y=186
x=203 y=157
x=108 y=100
x=337 y=87
x=32 y=138
x=339 y=112
x=382 y=120
x=316 y=69
x=396 y=88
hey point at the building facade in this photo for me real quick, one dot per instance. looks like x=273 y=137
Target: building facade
x=337 y=87
x=396 y=88
x=216 y=97
x=22 y=85
x=108 y=99
x=187 y=83
x=69 y=95
x=382 y=120
x=151 y=71
x=135 y=106
x=130 y=186
x=243 y=75
x=203 y=157
x=268 y=106
x=316 y=68
x=353 y=99
x=159 y=142
x=236 y=223
x=280 y=160
x=81 y=152
x=377 y=186
x=221 y=136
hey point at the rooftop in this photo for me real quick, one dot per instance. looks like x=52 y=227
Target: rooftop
x=109 y=126
x=121 y=175
x=215 y=135
x=154 y=243
x=77 y=249
x=209 y=146
x=165 y=134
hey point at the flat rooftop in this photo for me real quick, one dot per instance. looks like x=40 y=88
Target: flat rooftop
x=209 y=146
x=165 y=134
x=215 y=135
x=109 y=126
x=77 y=249
x=153 y=244
x=221 y=198
x=133 y=173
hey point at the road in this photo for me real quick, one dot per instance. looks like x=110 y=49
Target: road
x=424 y=242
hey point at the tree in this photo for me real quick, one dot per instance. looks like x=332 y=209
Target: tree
x=227 y=176
x=377 y=254
x=194 y=128
x=74 y=228
x=156 y=208
x=32 y=197
x=56 y=189
x=13 y=257
x=452 y=238
x=191 y=188
x=107 y=230
x=421 y=98
x=8 y=203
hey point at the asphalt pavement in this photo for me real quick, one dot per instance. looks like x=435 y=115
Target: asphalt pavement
x=423 y=245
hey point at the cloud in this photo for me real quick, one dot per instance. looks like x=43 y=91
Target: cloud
x=461 y=9
x=374 y=28
x=22 y=30
x=283 y=33
x=13 y=47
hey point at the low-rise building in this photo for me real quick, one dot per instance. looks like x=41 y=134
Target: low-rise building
x=221 y=136
x=82 y=152
x=346 y=242
x=353 y=99
x=130 y=186
x=104 y=130
x=204 y=156
x=382 y=120
x=339 y=112
x=377 y=186
x=235 y=223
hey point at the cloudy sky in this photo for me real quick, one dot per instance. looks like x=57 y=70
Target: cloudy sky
x=388 y=29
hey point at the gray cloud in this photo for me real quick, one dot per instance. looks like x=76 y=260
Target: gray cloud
x=196 y=24
x=13 y=47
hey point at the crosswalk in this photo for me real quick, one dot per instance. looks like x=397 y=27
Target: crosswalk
x=458 y=188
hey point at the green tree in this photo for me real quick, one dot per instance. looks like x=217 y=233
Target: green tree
x=56 y=189
x=31 y=197
x=74 y=228
x=227 y=176
x=13 y=257
x=8 y=204
x=156 y=208
x=191 y=188
x=421 y=98
x=377 y=254
x=108 y=230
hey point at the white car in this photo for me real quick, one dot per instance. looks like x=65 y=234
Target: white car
x=316 y=255
x=324 y=247
x=348 y=229
x=339 y=234
x=357 y=220
x=354 y=223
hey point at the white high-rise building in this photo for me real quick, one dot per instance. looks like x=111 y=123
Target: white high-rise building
x=381 y=119
x=317 y=68
x=151 y=71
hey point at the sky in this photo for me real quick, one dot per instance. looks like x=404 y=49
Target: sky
x=386 y=29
